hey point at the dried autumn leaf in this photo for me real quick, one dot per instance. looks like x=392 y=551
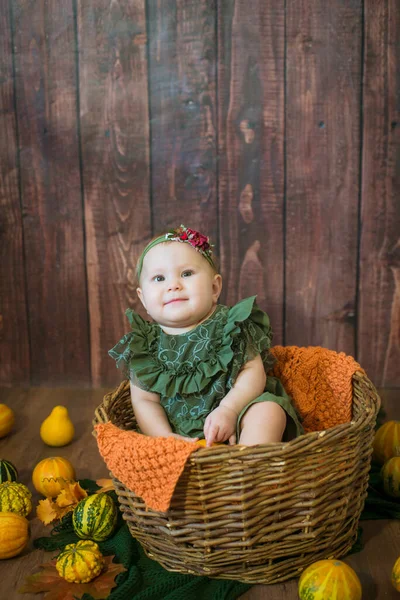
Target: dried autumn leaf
x=71 y=494
x=106 y=485
x=48 y=580
x=47 y=511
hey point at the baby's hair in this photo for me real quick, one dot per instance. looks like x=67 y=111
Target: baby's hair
x=215 y=268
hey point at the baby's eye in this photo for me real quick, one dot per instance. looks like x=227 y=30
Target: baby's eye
x=187 y=273
x=159 y=278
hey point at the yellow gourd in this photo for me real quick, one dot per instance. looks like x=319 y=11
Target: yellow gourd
x=6 y=419
x=203 y=442
x=16 y=498
x=391 y=477
x=396 y=575
x=329 y=580
x=387 y=441
x=50 y=473
x=14 y=534
x=57 y=429
x=80 y=562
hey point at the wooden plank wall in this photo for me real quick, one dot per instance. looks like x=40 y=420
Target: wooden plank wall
x=272 y=126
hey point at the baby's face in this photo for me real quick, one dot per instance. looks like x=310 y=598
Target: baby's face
x=178 y=287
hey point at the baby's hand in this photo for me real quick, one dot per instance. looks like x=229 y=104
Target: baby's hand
x=220 y=425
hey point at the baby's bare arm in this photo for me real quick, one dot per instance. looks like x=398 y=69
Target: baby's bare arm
x=150 y=415
x=220 y=425
x=249 y=384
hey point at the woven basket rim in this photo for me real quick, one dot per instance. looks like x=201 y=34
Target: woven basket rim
x=278 y=448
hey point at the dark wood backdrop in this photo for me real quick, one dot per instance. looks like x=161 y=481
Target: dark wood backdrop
x=272 y=126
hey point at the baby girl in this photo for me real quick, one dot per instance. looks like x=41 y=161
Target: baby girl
x=199 y=368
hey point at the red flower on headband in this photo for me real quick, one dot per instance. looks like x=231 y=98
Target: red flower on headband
x=197 y=239
x=191 y=236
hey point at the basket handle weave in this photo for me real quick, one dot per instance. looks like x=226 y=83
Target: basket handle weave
x=102 y=412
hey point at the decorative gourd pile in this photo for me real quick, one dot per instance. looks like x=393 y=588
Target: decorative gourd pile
x=94 y=517
x=387 y=453
x=15 y=506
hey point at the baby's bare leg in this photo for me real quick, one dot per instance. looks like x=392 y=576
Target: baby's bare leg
x=262 y=423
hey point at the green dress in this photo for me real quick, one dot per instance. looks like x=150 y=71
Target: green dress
x=193 y=371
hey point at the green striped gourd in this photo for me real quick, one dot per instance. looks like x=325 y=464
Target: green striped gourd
x=391 y=477
x=7 y=471
x=95 y=517
x=80 y=562
x=16 y=498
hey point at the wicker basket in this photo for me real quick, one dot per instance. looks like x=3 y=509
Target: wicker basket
x=257 y=514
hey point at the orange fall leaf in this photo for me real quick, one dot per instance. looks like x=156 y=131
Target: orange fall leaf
x=106 y=485
x=71 y=494
x=48 y=580
x=49 y=510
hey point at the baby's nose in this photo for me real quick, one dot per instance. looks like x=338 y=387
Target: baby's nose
x=174 y=284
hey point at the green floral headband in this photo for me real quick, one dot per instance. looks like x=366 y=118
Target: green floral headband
x=197 y=240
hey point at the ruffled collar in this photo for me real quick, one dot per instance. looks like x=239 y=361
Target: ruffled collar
x=187 y=362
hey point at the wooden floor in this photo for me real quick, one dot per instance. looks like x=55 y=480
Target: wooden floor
x=25 y=448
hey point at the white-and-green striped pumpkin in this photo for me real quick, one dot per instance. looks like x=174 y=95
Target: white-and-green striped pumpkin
x=95 y=517
x=7 y=471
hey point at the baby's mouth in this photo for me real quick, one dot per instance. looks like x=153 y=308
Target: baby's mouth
x=175 y=300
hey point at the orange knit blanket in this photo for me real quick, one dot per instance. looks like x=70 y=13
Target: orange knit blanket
x=149 y=466
x=319 y=381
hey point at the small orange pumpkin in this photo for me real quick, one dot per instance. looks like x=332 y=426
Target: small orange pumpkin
x=14 y=534
x=387 y=441
x=50 y=473
x=6 y=419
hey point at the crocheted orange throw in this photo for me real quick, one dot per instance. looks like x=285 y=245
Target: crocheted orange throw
x=319 y=381
x=149 y=466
